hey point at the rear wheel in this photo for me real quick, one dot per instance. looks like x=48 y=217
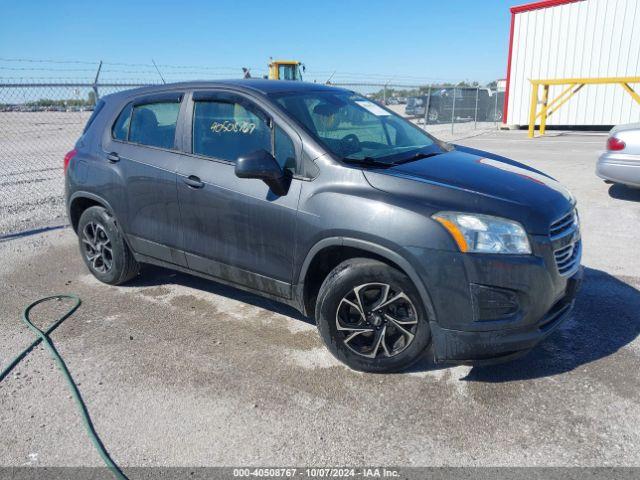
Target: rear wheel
x=371 y=317
x=103 y=247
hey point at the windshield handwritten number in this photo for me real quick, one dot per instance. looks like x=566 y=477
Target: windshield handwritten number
x=235 y=127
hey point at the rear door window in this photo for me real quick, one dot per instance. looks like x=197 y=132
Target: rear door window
x=154 y=124
x=226 y=129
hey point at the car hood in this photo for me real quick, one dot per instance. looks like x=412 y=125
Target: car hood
x=471 y=180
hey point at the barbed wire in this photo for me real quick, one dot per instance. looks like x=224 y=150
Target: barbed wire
x=190 y=70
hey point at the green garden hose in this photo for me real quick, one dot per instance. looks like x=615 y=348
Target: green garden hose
x=43 y=336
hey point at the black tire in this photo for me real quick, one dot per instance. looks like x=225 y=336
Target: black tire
x=333 y=304
x=98 y=234
x=433 y=115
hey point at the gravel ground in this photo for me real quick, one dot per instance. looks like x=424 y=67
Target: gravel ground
x=178 y=371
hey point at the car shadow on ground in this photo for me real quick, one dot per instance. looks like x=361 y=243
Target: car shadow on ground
x=152 y=276
x=623 y=192
x=605 y=319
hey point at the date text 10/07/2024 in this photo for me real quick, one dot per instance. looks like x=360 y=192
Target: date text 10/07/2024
x=316 y=472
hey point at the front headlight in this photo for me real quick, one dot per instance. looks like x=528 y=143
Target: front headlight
x=478 y=233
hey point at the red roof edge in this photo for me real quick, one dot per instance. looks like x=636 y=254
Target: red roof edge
x=505 y=106
x=538 y=5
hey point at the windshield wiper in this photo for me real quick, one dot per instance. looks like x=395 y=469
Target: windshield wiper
x=369 y=161
x=417 y=156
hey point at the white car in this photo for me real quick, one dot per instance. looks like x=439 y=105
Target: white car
x=621 y=162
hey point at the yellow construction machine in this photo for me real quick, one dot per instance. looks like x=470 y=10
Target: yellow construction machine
x=285 y=70
x=281 y=70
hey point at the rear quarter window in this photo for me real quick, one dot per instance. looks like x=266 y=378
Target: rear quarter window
x=99 y=106
x=120 y=130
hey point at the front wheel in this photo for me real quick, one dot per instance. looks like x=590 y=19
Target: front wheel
x=371 y=317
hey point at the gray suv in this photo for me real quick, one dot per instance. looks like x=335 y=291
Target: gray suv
x=396 y=243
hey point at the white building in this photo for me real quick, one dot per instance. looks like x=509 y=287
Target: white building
x=574 y=39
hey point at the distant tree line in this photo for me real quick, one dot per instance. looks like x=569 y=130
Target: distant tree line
x=90 y=101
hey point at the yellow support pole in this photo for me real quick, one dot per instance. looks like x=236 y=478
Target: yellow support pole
x=631 y=91
x=591 y=81
x=543 y=117
x=550 y=107
x=573 y=92
x=557 y=99
x=532 y=110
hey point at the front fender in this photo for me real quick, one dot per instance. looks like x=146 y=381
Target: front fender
x=391 y=255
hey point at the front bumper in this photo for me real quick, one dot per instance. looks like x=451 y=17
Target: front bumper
x=619 y=168
x=477 y=347
x=487 y=306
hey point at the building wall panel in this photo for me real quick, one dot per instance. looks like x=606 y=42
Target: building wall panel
x=588 y=38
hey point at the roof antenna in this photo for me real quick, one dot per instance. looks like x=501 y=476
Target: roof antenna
x=158 y=70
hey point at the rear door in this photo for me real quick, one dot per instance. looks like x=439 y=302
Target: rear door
x=144 y=149
x=237 y=229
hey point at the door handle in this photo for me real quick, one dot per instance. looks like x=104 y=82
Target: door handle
x=113 y=157
x=193 y=181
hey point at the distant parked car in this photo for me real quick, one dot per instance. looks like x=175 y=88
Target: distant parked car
x=621 y=162
x=456 y=103
x=415 y=107
x=450 y=103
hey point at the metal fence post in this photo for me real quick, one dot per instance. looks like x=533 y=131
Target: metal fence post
x=475 y=118
x=495 y=110
x=95 y=83
x=453 y=109
x=426 y=107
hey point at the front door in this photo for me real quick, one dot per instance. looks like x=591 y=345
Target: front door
x=237 y=229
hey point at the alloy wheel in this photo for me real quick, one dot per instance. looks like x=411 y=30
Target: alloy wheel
x=97 y=247
x=376 y=320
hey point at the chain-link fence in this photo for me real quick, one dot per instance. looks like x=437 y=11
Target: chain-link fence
x=449 y=112
x=40 y=122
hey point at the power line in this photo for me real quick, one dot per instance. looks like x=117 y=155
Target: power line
x=48 y=69
x=36 y=60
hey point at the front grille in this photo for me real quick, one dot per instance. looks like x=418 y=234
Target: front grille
x=566 y=225
x=568 y=258
x=565 y=235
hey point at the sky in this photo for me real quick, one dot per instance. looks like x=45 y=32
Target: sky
x=387 y=41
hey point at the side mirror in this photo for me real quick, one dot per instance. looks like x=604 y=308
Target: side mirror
x=261 y=164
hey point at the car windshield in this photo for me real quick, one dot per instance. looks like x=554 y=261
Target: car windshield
x=357 y=129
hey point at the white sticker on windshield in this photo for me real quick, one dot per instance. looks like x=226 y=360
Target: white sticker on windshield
x=373 y=108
